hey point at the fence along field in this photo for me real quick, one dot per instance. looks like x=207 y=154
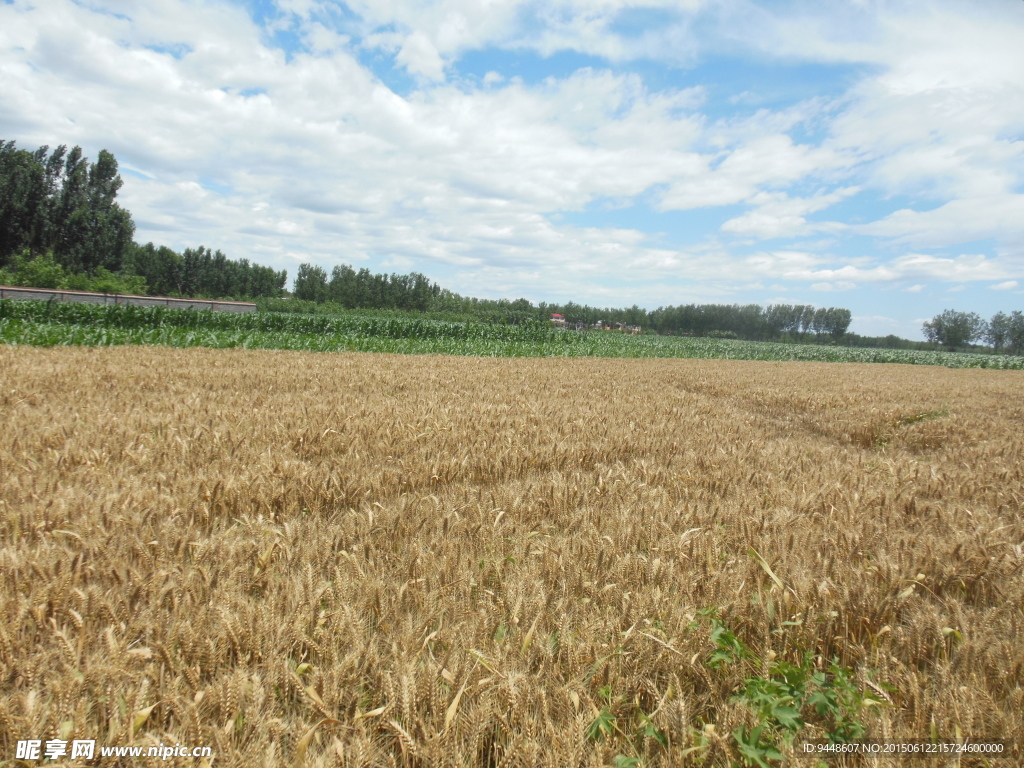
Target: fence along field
x=365 y=560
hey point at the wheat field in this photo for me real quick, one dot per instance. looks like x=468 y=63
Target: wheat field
x=383 y=560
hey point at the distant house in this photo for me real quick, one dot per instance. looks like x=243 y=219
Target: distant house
x=557 y=319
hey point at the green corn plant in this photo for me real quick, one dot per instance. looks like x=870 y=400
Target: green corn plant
x=415 y=335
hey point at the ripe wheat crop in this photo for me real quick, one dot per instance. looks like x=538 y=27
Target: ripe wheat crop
x=379 y=560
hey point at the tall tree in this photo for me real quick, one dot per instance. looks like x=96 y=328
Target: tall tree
x=22 y=185
x=104 y=229
x=59 y=202
x=954 y=329
x=310 y=283
x=998 y=331
x=1006 y=332
x=837 y=321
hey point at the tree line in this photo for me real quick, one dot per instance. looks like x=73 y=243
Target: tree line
x=752 y=321
x=61 y=227
x=57 y=202
x=952 y=329
x=364 y=290
x=202 y=273
x=347 y=288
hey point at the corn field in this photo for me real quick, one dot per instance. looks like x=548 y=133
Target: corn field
x=49 y=324
x=381 y=560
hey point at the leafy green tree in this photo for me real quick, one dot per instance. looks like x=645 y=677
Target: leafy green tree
x=39 y=272
x=998 y=331
x=837 y=321
x=88 y=229
x=105 y=281
x=341 y=288
x=819 y=320
x=160 y=266
x=1016 y=332
x=310 y=283
x=60 y=203
x=953 y=329
x=1006 y=332
x=42 y=271
x=22 y=190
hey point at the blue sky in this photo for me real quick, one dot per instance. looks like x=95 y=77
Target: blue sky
x=863 y=154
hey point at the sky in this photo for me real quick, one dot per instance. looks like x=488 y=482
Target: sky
x=852 y=153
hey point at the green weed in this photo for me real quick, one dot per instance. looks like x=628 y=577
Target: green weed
x=792 y=696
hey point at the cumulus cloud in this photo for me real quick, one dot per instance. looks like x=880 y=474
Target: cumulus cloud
x=306 y=153
x=603 y=28
x=778 y=215
x=837 y=286
x=713 y=180
x=958 y=221
x=968 y=267
x=420 y=57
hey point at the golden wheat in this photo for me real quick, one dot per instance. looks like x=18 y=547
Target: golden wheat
x=372 y=560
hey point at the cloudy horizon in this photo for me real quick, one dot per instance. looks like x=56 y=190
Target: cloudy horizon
x=865 y=154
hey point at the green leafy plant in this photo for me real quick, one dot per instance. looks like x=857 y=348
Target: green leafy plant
x=604 y=724
x=651 y=731
x=39 y=272
x=755 y=746
x=637 y=726
x=43 y=271
x=788 y=698
x=837 y=700
x=86 y=324
x=728 y=648
x=778 y=699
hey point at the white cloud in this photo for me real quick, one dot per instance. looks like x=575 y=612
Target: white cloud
x=323 y=40
x=813 y=268
x=939 y=118
x=1005 y=286
x=584 y=26
x=325 y=151
x=314 y=157
x=958 y=221
x=915 y=288
x=420 y=57
x=450 y=26
x=914 y=265
x=768 y=160
x=778 y=215
x=829 y=287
